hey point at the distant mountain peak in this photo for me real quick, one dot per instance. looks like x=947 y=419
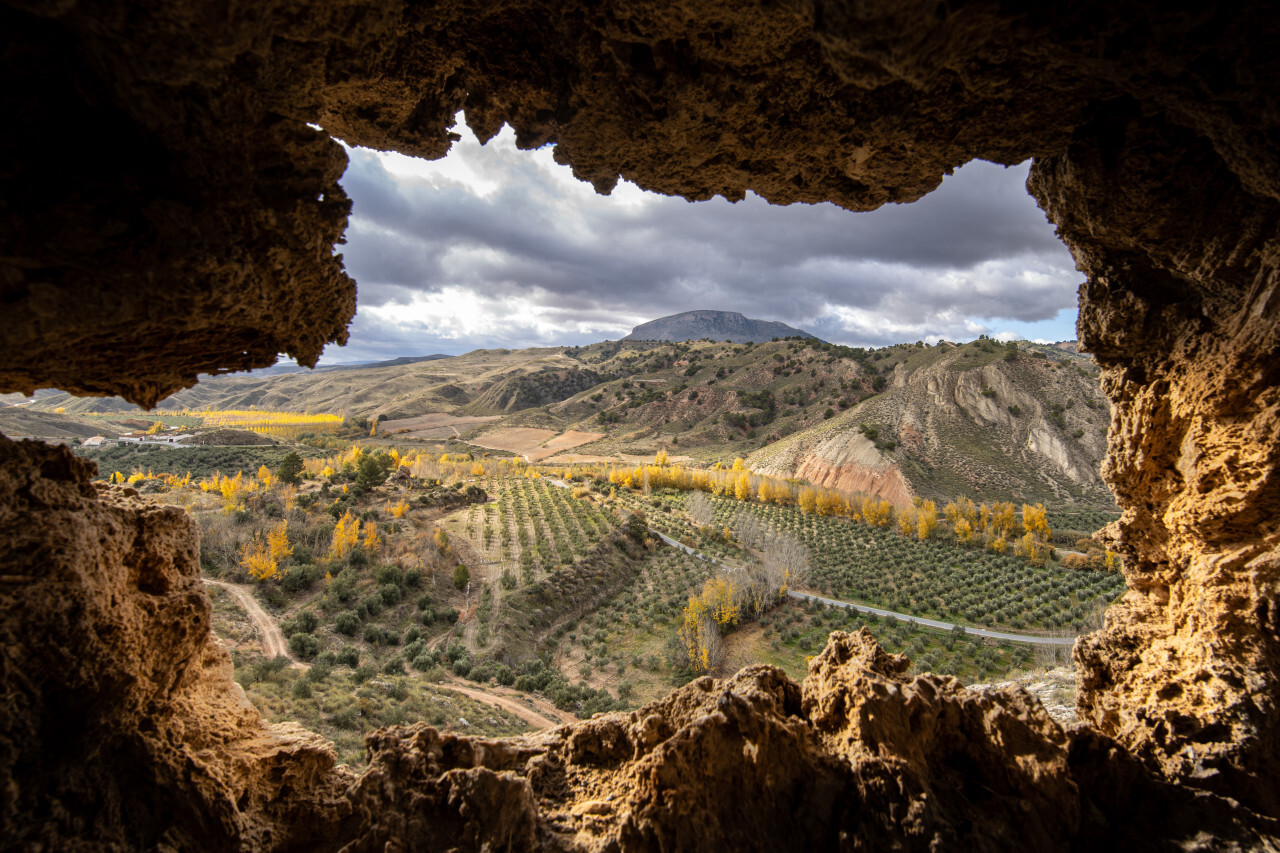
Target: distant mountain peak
x=715 y=325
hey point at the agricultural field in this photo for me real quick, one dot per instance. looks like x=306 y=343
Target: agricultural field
x=530 y=528
x=535 y=444
x=875 y=565
x=393 y=576
x=628 y=645
x=289 y=426
x=199 y=461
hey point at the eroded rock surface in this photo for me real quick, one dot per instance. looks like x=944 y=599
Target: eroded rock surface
x=1183 y=318
x=120 y=723
x=165 y=209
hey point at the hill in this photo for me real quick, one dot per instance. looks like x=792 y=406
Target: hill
x=16 y=421
x=713 y=326
x=401 y=388
x=981 y=419
x=995 y=422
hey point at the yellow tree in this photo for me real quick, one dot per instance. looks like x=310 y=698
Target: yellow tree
x=829 y=502
x=742 y=486
x=907 y=521
x=278 y=542
x=346 y=533
x=1003 y=519
x=719 y=595
x=926 y=519
x=1030 y=548
x=372 y=539
x=964 y=530
x=808 y=500
x=1035 y=521
x=267 y=478
x=694 y=630
x=255 y=558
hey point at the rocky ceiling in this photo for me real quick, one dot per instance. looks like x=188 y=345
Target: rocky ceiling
x=169 y=207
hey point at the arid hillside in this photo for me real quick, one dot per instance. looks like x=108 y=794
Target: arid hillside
x=980 y=419
x=1020 y=421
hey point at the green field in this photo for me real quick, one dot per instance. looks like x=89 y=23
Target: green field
x=875 y=565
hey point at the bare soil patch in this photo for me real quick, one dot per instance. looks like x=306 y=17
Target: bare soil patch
x=536 y=712
x=435 y=425
x=535 y=444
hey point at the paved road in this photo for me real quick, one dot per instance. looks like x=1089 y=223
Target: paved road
x=941 y=626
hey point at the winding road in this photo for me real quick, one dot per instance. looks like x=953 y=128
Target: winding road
x=904 y=617
x=543 y=716
x=273 y=641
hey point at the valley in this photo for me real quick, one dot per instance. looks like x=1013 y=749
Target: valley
x=506 y=540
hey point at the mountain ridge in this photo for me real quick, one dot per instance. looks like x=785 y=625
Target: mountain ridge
x=712 y=325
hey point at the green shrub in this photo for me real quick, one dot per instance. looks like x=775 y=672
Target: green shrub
x=348 y=622
x=344 y=719
x=304 y=645
x=349 y=656
x=390 y=594
x=461 y=576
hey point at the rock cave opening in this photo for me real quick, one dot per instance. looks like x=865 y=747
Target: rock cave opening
x=196 y=235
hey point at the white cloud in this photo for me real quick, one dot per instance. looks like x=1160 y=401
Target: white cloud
x=492 y=246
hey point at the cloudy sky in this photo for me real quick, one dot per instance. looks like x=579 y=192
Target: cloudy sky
x=496 y=247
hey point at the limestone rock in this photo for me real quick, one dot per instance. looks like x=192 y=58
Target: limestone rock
x=121 y=724
x=166 y=209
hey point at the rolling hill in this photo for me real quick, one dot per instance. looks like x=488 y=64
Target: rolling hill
x=1017 y=422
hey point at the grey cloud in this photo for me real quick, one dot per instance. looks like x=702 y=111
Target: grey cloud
x=958 y=255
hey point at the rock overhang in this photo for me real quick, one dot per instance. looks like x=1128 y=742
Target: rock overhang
x=196 y=231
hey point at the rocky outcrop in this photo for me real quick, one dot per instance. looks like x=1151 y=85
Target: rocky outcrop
x=167 y=208
x=863 y=757
x=713 y=325
x=121 y=724
x=1183 y=319
x=849 y=462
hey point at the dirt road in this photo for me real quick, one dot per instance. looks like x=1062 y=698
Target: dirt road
x=547 y=716
x=273 y=642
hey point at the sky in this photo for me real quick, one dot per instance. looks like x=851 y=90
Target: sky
x=496 y=247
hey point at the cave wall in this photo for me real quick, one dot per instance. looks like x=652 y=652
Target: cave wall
x=167 y=208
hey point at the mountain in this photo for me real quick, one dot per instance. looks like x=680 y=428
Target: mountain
x=981 y=419
x=398 y=388
x=391 y=362
x=712 y=325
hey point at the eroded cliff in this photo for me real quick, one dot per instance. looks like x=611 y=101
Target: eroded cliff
x=166 y=209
